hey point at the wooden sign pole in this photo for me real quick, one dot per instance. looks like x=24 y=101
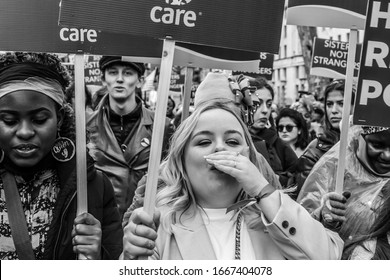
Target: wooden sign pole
x=187 y=92
x=159 y=125
x=346 y=110
x=82 y=204
x=81 y=153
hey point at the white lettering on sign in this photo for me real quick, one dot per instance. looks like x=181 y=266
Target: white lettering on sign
x=75 y=35
x=330 y=61
x=263 y=55
x=336 y=45
x=377 y=51
x=173 y=16
x=378 y=14
x=265 y=71
x=373 y=89
x=338 y=54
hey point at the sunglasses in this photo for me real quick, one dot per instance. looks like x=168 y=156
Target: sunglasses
x=288 y=127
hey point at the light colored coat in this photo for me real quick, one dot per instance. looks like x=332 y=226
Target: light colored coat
x=293 y=234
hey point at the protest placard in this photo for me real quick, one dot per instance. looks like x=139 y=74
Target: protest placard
x=338 y=14
x=330 y=59
x=329 y=13
x=373 y=97
x=227 y=24
x=265 y=67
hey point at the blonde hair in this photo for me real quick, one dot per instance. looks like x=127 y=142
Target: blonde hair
x=178 y=194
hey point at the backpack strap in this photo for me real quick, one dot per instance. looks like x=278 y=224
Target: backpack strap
x=17 y=219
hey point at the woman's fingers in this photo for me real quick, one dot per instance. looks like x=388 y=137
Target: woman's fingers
x=141 y=217
x=140 y=234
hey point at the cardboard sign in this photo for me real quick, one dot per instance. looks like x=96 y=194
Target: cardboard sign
x=215 y=58
x=330 y=59
x=372 y=105
x=32 y=25
x=92 y=73
x=330 y=13
x=265 y=67
x=250 y=25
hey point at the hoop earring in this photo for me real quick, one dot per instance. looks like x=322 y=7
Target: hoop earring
x=1 y=155
x=63 y=149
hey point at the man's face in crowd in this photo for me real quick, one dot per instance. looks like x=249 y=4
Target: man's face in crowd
x=121 y=81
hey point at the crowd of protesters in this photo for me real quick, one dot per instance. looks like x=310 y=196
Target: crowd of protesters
x=240 y=176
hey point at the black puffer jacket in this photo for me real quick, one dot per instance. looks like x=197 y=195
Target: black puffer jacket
x=101 y=204
x=314 y=151
x=279 y=155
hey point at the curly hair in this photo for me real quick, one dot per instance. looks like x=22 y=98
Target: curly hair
x=51 y=61
x=261 y=82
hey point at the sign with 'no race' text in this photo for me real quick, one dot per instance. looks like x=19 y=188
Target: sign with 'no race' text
x=372 y=106
x=252 y=25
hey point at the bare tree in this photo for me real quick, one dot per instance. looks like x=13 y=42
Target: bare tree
x=306 y=36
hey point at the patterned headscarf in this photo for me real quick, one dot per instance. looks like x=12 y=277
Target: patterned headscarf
x=32 y=76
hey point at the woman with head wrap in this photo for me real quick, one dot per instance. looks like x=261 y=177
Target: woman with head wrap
x=37 y=165
x=366 y=179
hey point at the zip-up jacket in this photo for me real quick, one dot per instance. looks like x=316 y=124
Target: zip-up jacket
x=124 y=165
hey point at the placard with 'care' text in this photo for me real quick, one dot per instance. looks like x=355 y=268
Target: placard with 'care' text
x=252 y=25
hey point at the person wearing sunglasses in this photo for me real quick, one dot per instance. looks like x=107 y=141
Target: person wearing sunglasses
x=292 y=129
x=280 y=155
x=330 y=135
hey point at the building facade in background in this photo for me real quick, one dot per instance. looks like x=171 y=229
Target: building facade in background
x=289 y=75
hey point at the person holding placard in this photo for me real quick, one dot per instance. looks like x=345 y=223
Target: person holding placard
x=216 y=195
x=216 y=87
x=366 y=180
x=38 y=194
x=121 y=128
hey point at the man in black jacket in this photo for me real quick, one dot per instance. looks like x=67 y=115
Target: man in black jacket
x=121 y=128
